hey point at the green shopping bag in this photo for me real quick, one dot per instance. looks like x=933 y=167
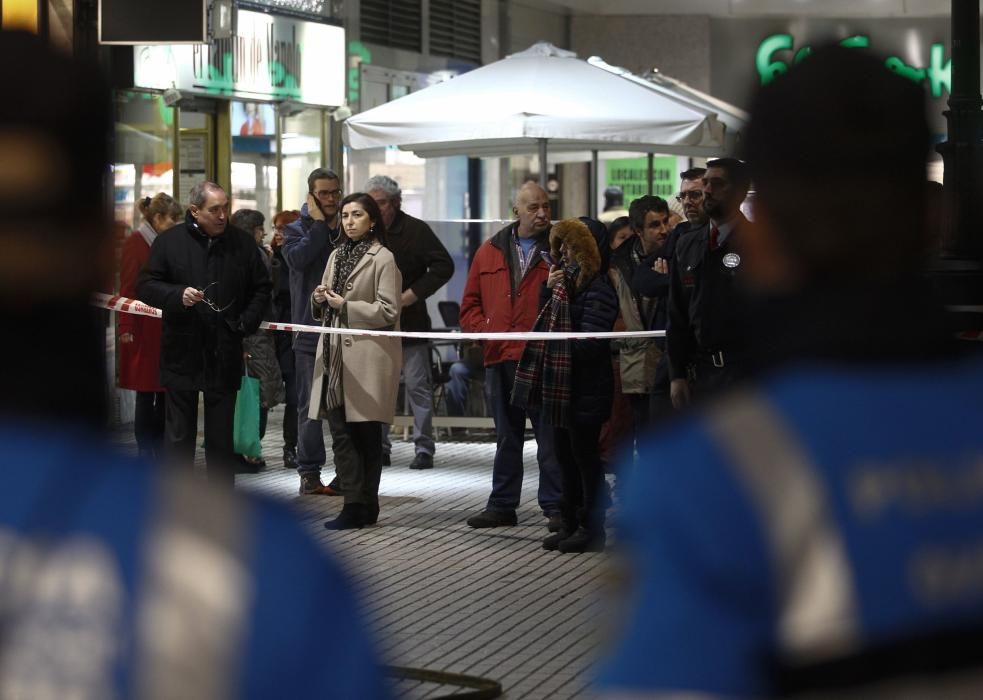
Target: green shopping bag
x=245 y=431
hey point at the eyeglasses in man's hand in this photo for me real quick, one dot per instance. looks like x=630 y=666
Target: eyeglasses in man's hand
x=210 y=303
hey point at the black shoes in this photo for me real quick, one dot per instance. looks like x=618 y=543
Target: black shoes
x=422 y=461
x=289 y=458
x=493 y=518
x=351 y=517
x=582 y=541
x=555 y=523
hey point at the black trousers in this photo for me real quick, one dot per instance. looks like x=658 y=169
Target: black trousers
x=577 y=450
x=181 y=432
x=712 y=380
x=360 y=474
x=148 y=423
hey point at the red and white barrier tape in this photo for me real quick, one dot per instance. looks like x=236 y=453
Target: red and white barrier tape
x=134 y=306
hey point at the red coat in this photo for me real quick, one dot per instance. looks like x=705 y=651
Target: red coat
x=490 y=305
x=139 y=361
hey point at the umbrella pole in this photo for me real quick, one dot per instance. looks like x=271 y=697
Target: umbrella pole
x=594 y=185
x=542 y=163
x=651 y=173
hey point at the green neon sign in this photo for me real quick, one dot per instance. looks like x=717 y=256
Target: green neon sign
x=938 y=72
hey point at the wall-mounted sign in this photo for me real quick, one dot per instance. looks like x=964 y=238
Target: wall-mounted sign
x=748 y=52
x=778 y=51
x=268 y=58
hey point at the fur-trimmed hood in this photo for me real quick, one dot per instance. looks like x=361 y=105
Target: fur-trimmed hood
x=581 y=248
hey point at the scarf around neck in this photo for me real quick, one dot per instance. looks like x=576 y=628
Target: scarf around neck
x=542 y=379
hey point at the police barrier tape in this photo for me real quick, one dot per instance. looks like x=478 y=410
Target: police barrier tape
x=134 y=306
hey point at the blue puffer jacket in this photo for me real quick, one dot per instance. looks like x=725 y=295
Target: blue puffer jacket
x=307 y=243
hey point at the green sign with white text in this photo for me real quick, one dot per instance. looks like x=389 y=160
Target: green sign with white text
x=632 y=176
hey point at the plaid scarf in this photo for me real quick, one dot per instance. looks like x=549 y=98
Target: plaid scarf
x=346 y=259
x=542 y=380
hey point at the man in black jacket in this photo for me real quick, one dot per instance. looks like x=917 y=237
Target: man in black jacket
x=706 y=305
x=213 y=289
x=426 y=266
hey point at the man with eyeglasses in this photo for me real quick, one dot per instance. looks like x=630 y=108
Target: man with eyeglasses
x=651 y=279
x=213 y=289
x=705 y=331
x=307 y=244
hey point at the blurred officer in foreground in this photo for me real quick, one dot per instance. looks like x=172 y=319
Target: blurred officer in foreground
x=823 y=530
x=117 y=580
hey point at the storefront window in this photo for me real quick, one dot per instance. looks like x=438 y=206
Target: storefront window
x=254 y=171
x=143 y=165
x=301 y=145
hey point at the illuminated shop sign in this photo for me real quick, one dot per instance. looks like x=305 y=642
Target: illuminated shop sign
x=778 y=51
x=268 y=58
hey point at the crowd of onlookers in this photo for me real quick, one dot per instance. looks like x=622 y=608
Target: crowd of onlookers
x=360 y=262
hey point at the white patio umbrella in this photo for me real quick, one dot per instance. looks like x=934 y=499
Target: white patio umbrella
x=539 y=96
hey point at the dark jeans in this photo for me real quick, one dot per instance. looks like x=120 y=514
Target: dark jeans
x=181 y=432
x=639 y=417
x=310 y=433
x=360 y=475
x=580 y=463
x=510 y=430
x=288 y=369
x=148 y=423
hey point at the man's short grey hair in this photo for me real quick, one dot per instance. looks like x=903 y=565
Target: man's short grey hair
x=386 y=184
x=199 y=193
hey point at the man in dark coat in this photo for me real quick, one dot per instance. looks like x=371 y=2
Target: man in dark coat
x=707 y=308
x=426 y=266
x=307 y=244
x=213 y=289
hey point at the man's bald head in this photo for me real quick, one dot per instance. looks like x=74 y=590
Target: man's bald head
x=532 y=209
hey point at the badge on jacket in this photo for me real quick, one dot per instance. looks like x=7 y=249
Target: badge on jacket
x=732 y=260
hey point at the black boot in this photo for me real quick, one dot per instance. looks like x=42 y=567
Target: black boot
x=552 y=542
x=372 y=513
x=351 y=517
x=583 y=540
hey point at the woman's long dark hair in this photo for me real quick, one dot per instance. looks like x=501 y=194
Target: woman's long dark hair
x=378 y=230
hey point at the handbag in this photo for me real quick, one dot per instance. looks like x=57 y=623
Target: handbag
x=245 y=428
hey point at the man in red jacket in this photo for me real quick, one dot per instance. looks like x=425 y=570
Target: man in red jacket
x=502 y=295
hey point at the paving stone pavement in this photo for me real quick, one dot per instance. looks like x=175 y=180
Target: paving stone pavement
x=443 y=596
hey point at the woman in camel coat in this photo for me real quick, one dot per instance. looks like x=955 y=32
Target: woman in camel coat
x=357 y=376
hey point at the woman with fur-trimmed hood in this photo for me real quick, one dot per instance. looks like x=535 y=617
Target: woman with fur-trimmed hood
x=567 y=380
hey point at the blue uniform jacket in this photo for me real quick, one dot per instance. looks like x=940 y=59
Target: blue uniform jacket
x=837 y=508
x=129 y=580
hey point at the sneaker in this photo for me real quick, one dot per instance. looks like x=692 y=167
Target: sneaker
x=310 y=485
x=493 y=518
x=289 y=458
x=422 y=461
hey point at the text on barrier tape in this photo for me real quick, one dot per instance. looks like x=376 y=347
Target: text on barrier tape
x=134 y=306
